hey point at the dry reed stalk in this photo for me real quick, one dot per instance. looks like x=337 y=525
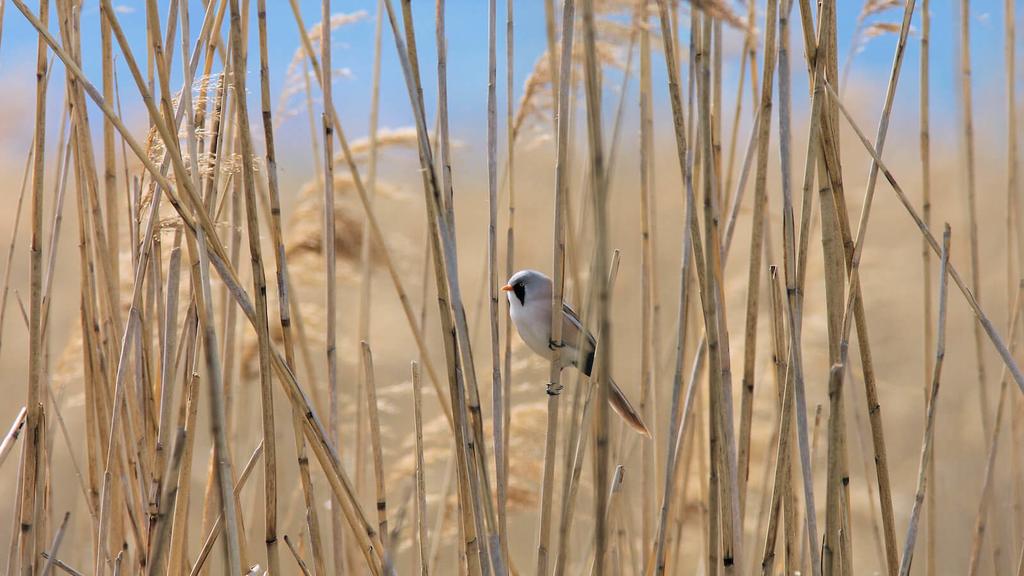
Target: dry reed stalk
x=967 y=147
x=691 y=252
x=445 y=237
x=167 y=359
x=218 y=525
x=239 y=57
x=187 y=421
x=110 y=160
x=724 y=506
x=550 y=35
x=69 y=570
x=614 y=499
x=1012 y=209
x=779 y=346
x=421 y=491
x=676 y=438
x=375 y=228
x=34 y=414
x=14 y=231
x=647 y=286
x=793 y=275
x=830 y=194
x=854 y=301
x=220 y=145
x=88 y=180
x=12 y=435
x=60 y=187
x=501 y=441
x=782 y=489
x=196 y=244
x=924 y=118
x=378 y=457
x=756 y=247
x=330 y=264
x=162 y=530
x=600 y=266
x=985 y=508
x=284 y=300
x=366 y=256
x=297 y=556
x=468 y=425
x=577 y=438
x=929 y=432
x=575 y=444
x=562 y=168
x=498 y=542
x=12 y=549
x=54 y=549
x=993 y=334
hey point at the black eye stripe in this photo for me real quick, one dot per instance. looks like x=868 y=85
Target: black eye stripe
x=519 y=289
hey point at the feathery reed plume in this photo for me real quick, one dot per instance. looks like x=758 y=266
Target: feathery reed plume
x=867 y=27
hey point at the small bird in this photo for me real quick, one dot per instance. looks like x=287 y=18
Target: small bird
x=529 y=298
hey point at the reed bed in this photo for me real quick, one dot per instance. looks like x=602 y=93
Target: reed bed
x=218 y=282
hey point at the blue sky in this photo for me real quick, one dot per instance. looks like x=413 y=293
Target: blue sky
x=467 y=34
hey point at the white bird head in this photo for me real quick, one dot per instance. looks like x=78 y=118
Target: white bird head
x=528 y=287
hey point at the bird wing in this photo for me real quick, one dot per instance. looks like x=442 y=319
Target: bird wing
x=571 y=329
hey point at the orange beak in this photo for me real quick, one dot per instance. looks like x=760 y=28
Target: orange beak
x=507 y=288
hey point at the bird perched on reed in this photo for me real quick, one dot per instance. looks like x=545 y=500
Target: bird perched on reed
x=529 y=297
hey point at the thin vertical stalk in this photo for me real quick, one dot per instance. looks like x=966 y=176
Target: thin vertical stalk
x=692 y=253
x=378 y=457
x=284 y=300
x=756 y=247
x=994 y=337
x=501 y=441
x=218 y=524
x=715 y=320
x=372 y=221
x=366 y=251
x=468 y=431
x=421 y=492
x=854 y=304
x=967 y=135
x=492 y=254
x=330 y=263
x=592 y=82
x=34 y=424
x=829 y=190
x=562 y=176
x=929 y=431
x=201 y=224
x=924 y=118
x=985 y=505
x=239 y=57
x=647 y=287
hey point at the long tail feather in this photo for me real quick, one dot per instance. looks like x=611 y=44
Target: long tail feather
x=617 y=400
